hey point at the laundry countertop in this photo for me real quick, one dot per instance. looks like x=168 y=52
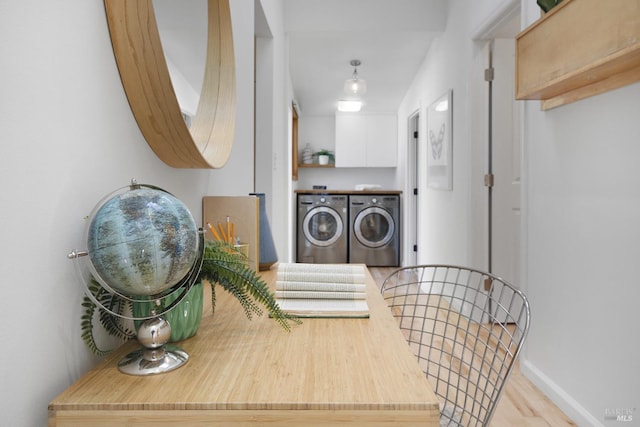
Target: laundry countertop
x=332 y=191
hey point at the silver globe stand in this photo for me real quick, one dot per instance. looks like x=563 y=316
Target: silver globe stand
x=155 y=356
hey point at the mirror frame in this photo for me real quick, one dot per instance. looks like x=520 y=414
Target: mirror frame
x=147 y=84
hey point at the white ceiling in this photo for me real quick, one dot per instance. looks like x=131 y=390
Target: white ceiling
x=389 y=37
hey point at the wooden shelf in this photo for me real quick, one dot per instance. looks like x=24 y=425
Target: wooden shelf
x=579 y=49
x=315 y=165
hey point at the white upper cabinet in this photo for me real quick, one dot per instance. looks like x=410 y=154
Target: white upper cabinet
x=351 y=143
x=382 y=140
x=366 y=140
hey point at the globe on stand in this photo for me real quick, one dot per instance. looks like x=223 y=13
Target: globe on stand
x=143 y=242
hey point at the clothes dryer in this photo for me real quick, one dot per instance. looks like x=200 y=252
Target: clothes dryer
x=374 y=236
x=322 y=228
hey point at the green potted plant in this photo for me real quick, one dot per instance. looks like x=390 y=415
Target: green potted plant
x=222 y=265
x=547 y=5
x=324 y=156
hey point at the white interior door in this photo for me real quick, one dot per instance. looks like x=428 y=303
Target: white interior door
x=506 y=164
x=411 y=198
x=498 y=244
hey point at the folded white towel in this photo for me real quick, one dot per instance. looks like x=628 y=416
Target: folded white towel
x=361 y=187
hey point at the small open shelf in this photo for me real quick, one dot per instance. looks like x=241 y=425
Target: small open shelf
x=315 y=165
x=579 y=49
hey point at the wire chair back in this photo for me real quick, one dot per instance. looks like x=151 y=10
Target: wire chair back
x=466 y=327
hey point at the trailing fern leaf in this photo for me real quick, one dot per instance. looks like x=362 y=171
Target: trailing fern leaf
x=223 y=264
x=112 y=325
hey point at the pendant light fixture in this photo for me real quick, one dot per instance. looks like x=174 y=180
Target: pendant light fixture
x=355 y=85
x=353 y=89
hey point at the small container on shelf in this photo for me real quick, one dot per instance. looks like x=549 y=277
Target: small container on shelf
x=324 y=156
x=307 y=154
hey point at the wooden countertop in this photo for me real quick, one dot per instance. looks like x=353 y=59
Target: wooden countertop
x=329 y=191
x=240 y=372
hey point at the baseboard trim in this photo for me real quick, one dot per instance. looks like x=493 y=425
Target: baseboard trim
x=567 y=404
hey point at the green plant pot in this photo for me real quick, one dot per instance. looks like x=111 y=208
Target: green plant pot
x=184 y=318
x=547 y=5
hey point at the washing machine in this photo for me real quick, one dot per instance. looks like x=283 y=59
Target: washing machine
x=322 y=228
x=374 y=236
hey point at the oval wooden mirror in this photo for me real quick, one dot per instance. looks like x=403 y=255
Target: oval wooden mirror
x=145 y=76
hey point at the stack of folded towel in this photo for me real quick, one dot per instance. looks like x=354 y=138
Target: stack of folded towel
x=322 y=290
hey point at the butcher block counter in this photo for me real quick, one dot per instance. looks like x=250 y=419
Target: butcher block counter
x=325 y=372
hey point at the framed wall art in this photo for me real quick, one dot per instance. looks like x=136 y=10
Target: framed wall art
x=439 y=143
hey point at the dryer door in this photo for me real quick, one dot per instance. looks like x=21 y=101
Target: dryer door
x=322 y=226
x=374 y=227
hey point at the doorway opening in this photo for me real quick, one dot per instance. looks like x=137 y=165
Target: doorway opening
x=412 y=206
x=501 y=144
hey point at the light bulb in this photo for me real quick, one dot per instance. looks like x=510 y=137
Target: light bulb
x=355 y=86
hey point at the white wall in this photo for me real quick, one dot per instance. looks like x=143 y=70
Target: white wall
x=317 y=131
x=274 y=97
x=583 y=212
x=236 y=177
x=582 y=253
x=277 y=181
x=581 y=208
x=67 y=139
x=443 y=228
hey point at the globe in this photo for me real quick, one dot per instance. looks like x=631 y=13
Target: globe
x=142 y=241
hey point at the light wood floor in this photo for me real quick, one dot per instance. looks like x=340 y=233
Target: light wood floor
x=522 y=404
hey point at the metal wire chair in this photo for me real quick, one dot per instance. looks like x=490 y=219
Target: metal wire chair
x=466 y=327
